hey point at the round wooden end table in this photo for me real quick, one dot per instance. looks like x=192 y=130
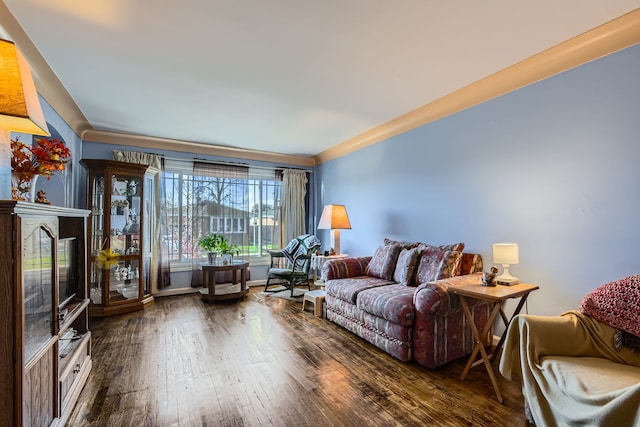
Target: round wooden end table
x=218 y=291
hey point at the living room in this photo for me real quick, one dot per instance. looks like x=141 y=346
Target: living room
x=549 y=166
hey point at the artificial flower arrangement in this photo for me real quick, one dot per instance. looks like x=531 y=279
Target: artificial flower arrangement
x=44 y=157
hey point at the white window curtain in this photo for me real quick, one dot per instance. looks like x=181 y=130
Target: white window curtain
x=159 y=262
x=294 y=190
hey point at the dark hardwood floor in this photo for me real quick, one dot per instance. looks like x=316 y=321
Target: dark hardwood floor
x=263 y=362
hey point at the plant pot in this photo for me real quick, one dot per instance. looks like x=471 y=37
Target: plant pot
x=212 y=257
x=227 y=259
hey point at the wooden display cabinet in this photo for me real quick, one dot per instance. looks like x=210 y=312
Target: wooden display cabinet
x=120 y=197
x=45 y=342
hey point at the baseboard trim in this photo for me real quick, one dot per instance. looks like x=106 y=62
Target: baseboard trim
x=173 y=292
x=189 y=290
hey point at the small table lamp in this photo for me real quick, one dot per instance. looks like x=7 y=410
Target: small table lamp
x=20 y=109
x=335 y=218
x=506 y=254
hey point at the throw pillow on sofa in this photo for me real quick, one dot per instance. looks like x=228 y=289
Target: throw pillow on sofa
x=383 y=262
x=404 y=245
x=423 y=246
x=406 y=266
x=436 y=264
x=616 y=303
x=453 y=247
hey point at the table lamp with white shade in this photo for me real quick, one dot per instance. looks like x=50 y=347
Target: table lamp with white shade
x=506 y=254
x=20 y=109
x=334 y=218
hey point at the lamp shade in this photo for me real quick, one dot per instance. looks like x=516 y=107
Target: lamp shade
x=505 y=253
x=20 y=109
x=334 y=217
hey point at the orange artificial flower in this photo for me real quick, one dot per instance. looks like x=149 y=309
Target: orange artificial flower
x=44 y=157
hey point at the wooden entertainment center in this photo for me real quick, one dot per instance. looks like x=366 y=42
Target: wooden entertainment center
x=45 y=342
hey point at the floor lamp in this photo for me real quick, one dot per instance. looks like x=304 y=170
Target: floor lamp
x=20 y=109
x=334 y=218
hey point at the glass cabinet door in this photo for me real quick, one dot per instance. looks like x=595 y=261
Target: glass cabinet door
x=148 y=233
x=38 y=277
x=97 y=235
x=126 y=207
x=97 y=211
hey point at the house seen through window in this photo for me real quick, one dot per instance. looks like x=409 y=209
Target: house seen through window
x=236 y=201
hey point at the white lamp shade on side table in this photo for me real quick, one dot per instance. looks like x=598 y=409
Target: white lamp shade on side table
x=506 y=254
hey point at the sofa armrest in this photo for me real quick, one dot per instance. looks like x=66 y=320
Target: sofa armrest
x=435 y=298
x=429 y=298
x=343 y=268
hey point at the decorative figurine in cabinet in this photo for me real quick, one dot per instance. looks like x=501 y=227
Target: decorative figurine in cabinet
x=120 y=200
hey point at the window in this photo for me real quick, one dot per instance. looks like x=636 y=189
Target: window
x=239 y=202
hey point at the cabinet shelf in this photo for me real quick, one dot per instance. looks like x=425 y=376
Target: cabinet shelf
x=69 y=350
x=74 y=309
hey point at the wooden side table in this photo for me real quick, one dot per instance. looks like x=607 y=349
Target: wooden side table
x=232 y=291
x=317 y=261
x=497 y=295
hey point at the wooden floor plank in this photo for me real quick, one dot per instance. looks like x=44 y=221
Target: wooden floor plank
x=263 y=362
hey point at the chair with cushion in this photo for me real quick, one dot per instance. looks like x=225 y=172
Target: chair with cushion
x=582 y=367
x=297 y=255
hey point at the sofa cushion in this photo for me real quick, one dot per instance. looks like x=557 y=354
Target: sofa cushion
x=452 y=247
x=383 y=262
x=406 y=266
x=348 y=289
x=393 y=303
x=616 y=303
x=404 y=245
x=470 y=263
x=436 y=264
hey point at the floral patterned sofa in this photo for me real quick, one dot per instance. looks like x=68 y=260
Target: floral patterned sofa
x=391 y=299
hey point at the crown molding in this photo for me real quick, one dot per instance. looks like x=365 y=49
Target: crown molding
x=608 y=38
x=155 y=143
x=603 y=40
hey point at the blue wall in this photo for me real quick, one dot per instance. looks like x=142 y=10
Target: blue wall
x=554 y=167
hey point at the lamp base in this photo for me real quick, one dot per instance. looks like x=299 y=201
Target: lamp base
x=506 y=278
x=507 y=281
x=335 y=242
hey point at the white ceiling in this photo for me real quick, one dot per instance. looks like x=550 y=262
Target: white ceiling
x=284 y=76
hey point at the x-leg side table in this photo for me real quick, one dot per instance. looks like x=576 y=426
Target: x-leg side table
x=496 y=295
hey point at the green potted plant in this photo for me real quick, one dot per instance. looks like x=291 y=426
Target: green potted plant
x=212 y=243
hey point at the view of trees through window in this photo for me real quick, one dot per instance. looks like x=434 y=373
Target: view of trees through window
x=246 y=210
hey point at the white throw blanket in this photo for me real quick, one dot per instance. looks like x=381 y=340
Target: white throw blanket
x=571 y=372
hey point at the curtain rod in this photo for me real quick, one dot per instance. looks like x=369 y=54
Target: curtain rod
x=218 y=162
